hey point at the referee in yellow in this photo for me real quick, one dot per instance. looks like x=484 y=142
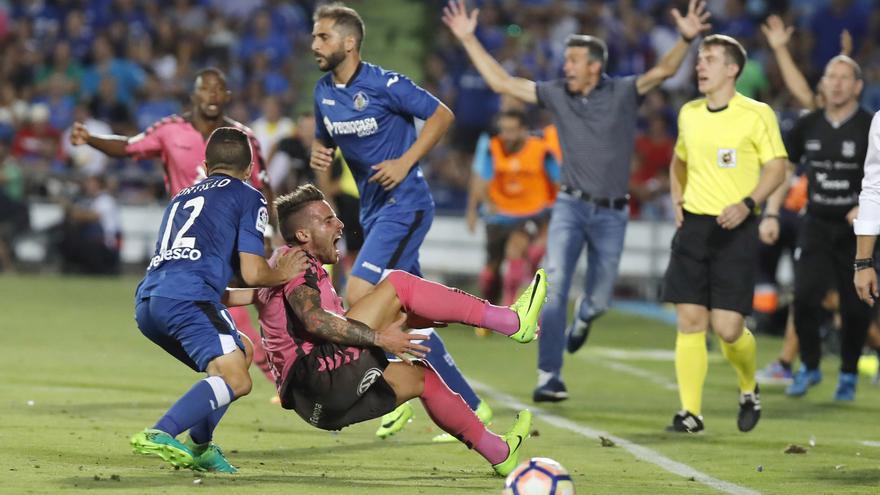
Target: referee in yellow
x=728 y=158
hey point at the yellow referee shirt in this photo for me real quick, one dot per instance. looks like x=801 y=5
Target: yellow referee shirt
x=724 y=151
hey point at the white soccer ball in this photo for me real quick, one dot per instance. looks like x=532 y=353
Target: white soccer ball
x=539 y=476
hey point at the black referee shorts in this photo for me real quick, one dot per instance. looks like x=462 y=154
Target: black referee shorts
x=712 y=267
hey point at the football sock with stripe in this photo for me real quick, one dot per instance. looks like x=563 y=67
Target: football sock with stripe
x=691 y=366
x=742 y=355
x=203 y=431
x=205 y=397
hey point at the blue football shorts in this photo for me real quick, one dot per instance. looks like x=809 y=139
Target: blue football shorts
x=392 y=243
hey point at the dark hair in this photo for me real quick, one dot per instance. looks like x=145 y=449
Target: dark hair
x=856 y=68
x=291 y=204
x=733 y=50
x=345 y=18
x=598 y=50
x=513 y=114
x=228 y=147
x=210 y=70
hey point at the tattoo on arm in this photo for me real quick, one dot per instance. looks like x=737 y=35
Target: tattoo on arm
x=306 y=303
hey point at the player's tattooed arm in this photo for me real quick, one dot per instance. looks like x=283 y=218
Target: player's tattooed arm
x=306 y=304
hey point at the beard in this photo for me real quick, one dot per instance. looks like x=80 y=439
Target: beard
x=331 y=61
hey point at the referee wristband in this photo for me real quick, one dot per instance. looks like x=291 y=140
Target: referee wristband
x=863 y=264
x=774 y=216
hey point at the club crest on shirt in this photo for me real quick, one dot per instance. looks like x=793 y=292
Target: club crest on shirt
x=360 y=101
x=726 y=157
x=848 y=149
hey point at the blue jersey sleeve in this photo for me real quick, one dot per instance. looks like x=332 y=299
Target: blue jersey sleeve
x=483 y=165
x=408 y=98
x=321 y=133
x=551 y=166
x=252 y=224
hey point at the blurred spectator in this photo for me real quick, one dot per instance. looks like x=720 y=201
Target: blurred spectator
x=289 y=157
x=14 y=218
x=649 y=181
x=33 y=137
x=155 y=105
x=63 y=66
x=272 y=127
x=90 y=237
x=85 y=159
x=105 y=65
x=261 y=38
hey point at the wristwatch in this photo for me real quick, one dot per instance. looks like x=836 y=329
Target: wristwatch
x=750 y=204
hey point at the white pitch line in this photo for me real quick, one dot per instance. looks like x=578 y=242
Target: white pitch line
x=638 y=451
x=870 y=443
x=635 y=371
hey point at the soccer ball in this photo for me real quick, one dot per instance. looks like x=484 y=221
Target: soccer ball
x=539 y=476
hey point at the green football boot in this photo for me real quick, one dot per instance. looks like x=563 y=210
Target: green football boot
x=209 y=457
x=395 y=420
x=515 y=438
x=528 y=308
x=484 y=412
x=159 y=443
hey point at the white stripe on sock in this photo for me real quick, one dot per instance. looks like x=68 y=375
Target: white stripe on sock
x=221 y=391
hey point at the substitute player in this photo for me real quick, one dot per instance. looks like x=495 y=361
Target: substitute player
x=831 y=143
x=370 y=113
x=208 y=230
x=179 y=140
x=728 y=158
x=330 y=364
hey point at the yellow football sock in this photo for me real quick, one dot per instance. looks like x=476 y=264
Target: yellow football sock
x=691 y=365
x=742 y=355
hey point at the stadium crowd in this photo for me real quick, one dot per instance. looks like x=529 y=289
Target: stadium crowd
x=119 y=65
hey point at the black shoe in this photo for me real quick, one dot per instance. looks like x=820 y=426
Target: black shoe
x=749 y=410
x=552 y=391
x=576 y=334
x=686 y=422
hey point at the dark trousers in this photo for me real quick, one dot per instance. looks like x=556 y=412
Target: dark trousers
x=826 y=253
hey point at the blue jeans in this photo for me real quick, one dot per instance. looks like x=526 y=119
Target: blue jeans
x=575 y=222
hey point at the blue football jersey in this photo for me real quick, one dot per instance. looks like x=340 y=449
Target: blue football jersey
x=203 y=229
x=371 y=119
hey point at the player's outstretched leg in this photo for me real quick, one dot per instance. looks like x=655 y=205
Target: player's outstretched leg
x=483 y=411
x=451 y=413
x=436 y=302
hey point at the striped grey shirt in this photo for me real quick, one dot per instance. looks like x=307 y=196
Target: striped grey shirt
x=597 y=133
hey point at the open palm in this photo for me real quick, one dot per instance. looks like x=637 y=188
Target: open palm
x=461 y=23
x=691 y=25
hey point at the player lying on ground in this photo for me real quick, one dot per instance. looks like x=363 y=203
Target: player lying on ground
x=331 y=365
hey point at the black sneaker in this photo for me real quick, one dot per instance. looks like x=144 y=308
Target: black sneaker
x=576 y=334
x=551 y=391
x=686 y=422
x=749 y=410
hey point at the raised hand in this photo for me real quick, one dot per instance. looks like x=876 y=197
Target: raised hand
x=694 y=22
x=456 y=17
x=776 y=32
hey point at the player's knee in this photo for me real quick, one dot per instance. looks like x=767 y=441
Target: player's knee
x=240 y=384
x=248 y=348
x=729 y=335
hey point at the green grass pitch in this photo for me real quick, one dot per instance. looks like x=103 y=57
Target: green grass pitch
x=77 y=379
